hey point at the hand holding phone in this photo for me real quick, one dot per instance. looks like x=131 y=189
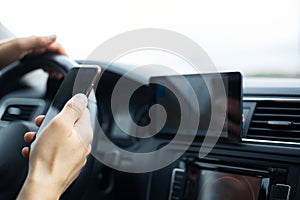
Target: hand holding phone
x=78 y=80
x=63 y=143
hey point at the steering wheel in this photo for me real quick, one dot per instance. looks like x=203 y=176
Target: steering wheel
x=13 y=167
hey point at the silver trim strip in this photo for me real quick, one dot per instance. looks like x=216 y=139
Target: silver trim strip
x=288 y=99
x=269 y=141
x=172 y=180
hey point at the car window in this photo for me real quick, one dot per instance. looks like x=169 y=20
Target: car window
x=260 y=38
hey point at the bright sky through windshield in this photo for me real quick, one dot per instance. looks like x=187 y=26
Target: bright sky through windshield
x=253 y=36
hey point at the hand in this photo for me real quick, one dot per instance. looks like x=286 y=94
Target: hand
x=59 y=152
x=18 y=48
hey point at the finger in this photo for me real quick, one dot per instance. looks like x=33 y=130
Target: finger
x=29 y=136
x=73 y=109
x=30 y=43
x=54 y=75
x=38 y=51
x=57 y=75
x=25 y=152
x=57 y=48
x=53 y=47
x=84 y=128
x=39 y=119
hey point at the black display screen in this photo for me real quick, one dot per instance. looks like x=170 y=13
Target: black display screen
x=208 y=95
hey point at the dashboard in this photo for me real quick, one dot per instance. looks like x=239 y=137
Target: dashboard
x=263 y=164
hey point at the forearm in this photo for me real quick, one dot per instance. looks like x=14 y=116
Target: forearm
x=9 y=53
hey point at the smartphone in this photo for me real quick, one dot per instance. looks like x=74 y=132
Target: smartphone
x=78 y=80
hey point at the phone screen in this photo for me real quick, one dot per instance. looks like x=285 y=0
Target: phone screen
x=78 y=80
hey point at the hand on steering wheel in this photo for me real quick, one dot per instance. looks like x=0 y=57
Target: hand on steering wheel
x=17 y=49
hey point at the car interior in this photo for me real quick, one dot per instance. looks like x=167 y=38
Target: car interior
x=227 y=134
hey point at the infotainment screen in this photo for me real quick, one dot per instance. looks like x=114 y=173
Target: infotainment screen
x=208 y=95
x=207 y=184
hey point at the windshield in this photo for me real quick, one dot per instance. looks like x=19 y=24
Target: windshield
x=256 y=37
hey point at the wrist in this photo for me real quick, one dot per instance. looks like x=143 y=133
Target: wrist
x=36 y=187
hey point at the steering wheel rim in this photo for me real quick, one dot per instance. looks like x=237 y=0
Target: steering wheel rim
x=48 y=61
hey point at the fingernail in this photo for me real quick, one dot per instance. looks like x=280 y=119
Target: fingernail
x=81 y=99
x=51 y=38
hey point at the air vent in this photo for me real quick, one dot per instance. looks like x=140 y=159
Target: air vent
x=19 y=112
x=177 y=184
x=276 y=120
x=26 y=109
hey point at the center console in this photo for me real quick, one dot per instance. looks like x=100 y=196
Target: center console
x=233 y=170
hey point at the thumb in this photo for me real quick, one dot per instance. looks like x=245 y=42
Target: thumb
x=74 y=108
